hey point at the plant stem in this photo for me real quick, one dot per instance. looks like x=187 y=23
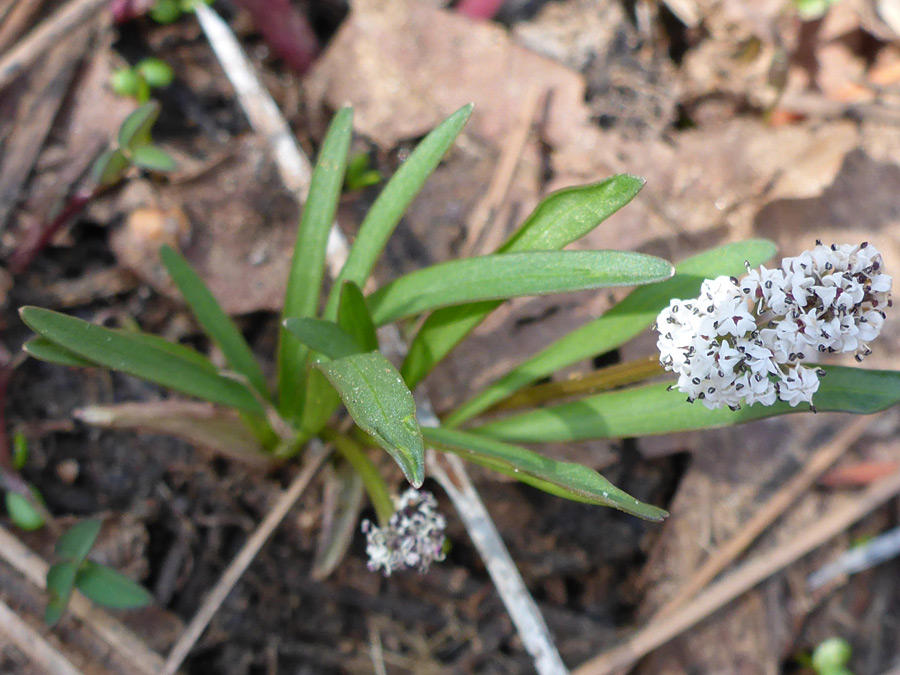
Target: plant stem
x=584 y=384
x=37 y=238
x=354 y=453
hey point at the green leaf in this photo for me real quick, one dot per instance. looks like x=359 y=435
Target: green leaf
x=381 y=405
x=140 y=355
x=651 y=410
x=509 y=275
x=621 y=323
x=392 y=203
x=135 y=130
x=109 y=588
x=308 y=264
x=324 y=337
x=153 y=158
x=340 y=520
x=567 y=215
x=215 y=322
x=353 y=317
x=157 y=72
x=77 y=542
x=109 y=168
x=564 y=479
x=20 y=451
x=44 y=350
x=21 y=511
x=561 y=218
x=60 y=582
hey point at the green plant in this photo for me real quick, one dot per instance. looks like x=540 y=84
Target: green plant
x=831 y=657
x=169 y=11
x=360 y=173
x=99 y=583
x=137 y=81
x=810 y=10
x=331 y=355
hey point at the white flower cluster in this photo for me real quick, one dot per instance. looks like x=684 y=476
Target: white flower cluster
x=742 y=342
x=414 y=538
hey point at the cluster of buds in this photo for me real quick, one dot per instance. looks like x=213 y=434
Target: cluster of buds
x=414 y=537
x=744 y=341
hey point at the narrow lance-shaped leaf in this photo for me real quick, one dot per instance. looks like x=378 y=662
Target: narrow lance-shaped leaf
x=621 y=323
x=324 y=337
x=44 y=350
x=564 y=479
x=393 y=202
x=139 y=356
x=511 y=275
x=308 y=263
x=651 y=410
x=213 y=319
x=354 y=317
x=78 y=540
x=60 y=583
x=135 y=130
x=109 y=588
x=153 y=158
x=379 y=402
x=561 y=218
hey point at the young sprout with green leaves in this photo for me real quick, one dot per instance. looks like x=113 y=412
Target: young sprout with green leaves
x=328 y=353
x=133 y=149
x=98 y=582
x=138 y=80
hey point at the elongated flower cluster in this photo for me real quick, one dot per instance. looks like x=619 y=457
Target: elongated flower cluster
x=414 y=538
x=743 y=341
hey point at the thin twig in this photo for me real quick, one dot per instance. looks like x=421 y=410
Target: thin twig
x=125 y=643
x=314 y=456
x=742 y=580
x=475 y=517
x=817 y=464
x=47 y=35
x=488 y=206
x=261 y=110
x=42 y=654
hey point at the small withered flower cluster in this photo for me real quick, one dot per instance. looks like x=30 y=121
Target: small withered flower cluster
x=414 y=537
x=744 y=341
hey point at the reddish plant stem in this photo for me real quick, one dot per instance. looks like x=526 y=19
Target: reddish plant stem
x=479 y=9
x=126 y=10
x=37 y=238
x=286 y=31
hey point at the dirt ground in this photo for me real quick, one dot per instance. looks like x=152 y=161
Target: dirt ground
x=745 y=120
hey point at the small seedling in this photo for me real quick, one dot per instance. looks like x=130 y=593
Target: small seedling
x=810 y=10
x=360 y=173
x=831 y=657
x=26 y=507
x=137 y=81
x=101 y=584
x=169 y=11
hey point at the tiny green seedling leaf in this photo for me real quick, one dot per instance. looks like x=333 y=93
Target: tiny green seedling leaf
x=359 y=173
x=109 y=168
x=152 y=158
x=564 y=479
x=60 y=582
x=379 y=402
x=156 y=72
x=510 y=275
x=20 y=451
x=135 y=130
x=107 y=587
x=324 y=337
x=22 y=512
x=77 y=542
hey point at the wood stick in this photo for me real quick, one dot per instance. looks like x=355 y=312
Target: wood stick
x=42 y=654
x=46 y=35
x=817 y=464
x=742 y=580
x=315 y=455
